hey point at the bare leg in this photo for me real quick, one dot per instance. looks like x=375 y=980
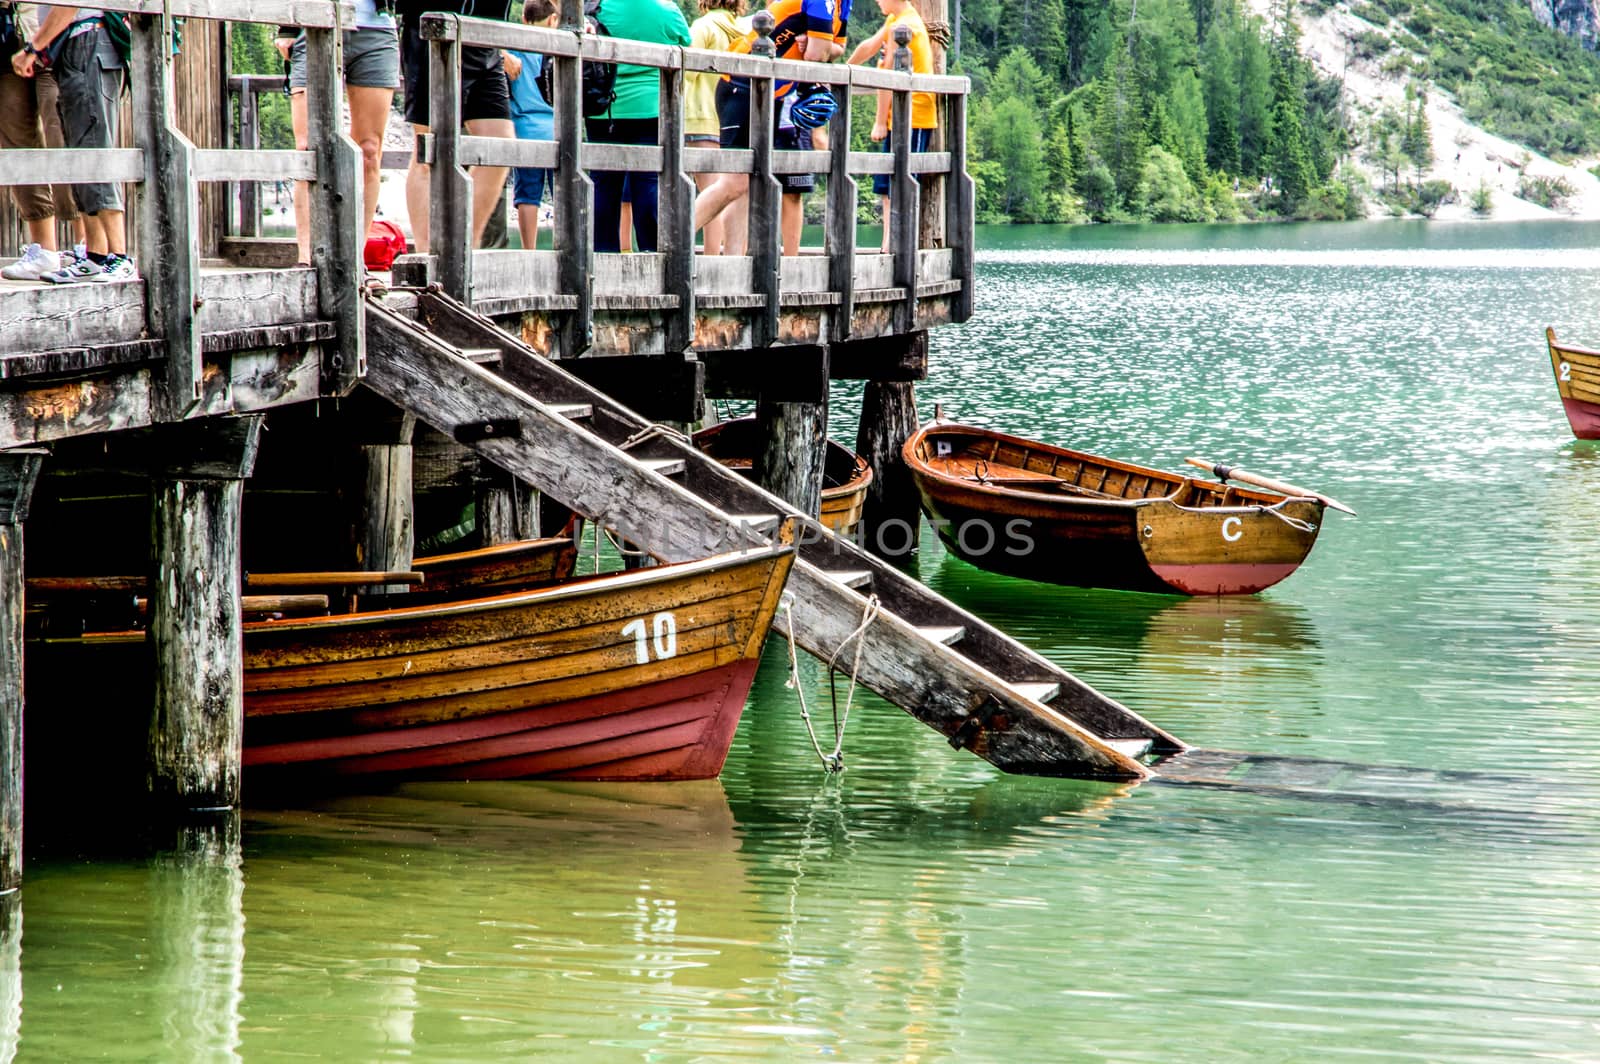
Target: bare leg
x=711 y=202
x=116 y=232
x=736 y=220
x=625 y=229
x=713 y=228
x=487 y=181
x=528 y=225
x=302 y=189
x=417 y=178
x=369 y=117
x=886 y=220
x=43 y=232
x=95 y=235
x=791 y=219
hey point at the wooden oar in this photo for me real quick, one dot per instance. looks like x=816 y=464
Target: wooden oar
x=1224 y=472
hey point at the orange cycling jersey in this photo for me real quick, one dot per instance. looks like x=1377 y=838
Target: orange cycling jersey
x=796 y=20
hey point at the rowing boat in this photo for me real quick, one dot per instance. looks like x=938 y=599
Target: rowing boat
x=1577 y=372
x=1041 y=512
x=845 y=474
x=638 y=675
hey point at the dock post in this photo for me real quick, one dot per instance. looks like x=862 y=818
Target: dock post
x=197 y=721
x=792 y=429
x=508 y=509
x=890 y=518
x=385 y=523
x=19 y=470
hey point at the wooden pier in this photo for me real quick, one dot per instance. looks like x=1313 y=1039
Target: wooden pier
x=187 y=381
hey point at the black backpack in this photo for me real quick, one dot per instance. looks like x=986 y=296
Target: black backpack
x=599 y=79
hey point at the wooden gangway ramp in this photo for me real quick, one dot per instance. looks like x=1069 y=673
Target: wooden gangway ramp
x=982 y=690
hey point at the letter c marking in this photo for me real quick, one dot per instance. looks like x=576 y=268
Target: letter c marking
x=1238 y=529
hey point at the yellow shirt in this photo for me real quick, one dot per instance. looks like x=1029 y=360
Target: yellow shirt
x=923 y=113
x=716 y=31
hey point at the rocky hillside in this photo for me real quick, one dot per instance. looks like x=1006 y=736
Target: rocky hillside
x=1575 y=18
x=1511 y=106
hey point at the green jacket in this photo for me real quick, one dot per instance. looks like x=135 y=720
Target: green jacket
x=655 y=21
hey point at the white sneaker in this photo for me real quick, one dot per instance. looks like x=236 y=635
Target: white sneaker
x=77 y=253
x=34 y=264
x=82 y=270
x=117 y=268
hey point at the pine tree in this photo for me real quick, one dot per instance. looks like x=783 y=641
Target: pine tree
x=1119 y=122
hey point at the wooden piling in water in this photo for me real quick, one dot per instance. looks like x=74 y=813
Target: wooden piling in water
x=384 y=518
x=197 y=723
x=19 y=470
x=890 y=518
x=794 y=441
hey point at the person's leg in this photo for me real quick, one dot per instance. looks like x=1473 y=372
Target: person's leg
x=487 y=181
x=302 y=190
x=48 y=95
x=418 y=176
x=715 y=227
x=414 y=74
x=880 y=188
x=369 y=118
x=88 y=103
x=527 y=189
x=19 y=128
x=791 y=219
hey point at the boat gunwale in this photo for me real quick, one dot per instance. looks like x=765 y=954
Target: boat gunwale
x=1561 y=345
x=860 y=475
x=919 y=464
x=577 y=587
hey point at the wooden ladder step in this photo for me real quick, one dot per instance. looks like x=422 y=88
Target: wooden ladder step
x=1129 y=747
x=1038 y=692
x=945 y=635
x=573 y=411
x=758 y=522
x=667 y=467
x=483 y=356
x=849 y=577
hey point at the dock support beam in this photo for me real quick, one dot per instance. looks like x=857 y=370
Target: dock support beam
x=792 y=430
x=508 y=509
x=19 y=470
x=385 y=523
x=197 y=723
x=890 y=518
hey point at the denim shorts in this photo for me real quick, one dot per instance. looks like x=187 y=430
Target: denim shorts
x=920 y=138
x=371 y=60
x=528 y=185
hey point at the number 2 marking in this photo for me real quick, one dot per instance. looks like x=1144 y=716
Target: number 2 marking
x=1238 y=529
x=665 y=635
x=1566 y=371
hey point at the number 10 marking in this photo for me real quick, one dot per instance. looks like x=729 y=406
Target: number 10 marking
x=665 y=637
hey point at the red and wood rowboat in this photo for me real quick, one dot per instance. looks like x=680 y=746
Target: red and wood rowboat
x=845 y=474
x=1577 y=372
x=640 y=675
x=1032 y=510
x=519 y=566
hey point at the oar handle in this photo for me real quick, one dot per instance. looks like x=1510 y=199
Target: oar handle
x=1227 y=472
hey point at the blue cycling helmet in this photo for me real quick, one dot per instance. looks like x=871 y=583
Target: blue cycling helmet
x=814 y=108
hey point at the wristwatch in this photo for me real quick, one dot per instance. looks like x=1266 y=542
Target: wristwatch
x=30 y=49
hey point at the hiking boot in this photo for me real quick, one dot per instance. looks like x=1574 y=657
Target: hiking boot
x=35 y=262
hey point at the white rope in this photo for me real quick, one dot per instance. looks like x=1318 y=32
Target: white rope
x=1276 y=510
x=833 y=762
x=651 y=432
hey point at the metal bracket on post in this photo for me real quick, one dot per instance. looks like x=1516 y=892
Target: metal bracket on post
x=169 y=207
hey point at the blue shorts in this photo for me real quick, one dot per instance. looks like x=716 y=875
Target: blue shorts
x=920 y=139
x=528 y=186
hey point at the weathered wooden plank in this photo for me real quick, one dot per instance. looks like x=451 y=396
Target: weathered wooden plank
x=888 y=358
x=509 y=151
x=766 y=234
x=309 y=13
x=930 y=162
x=492 y=34
x=252 y=299
x=675 y=228
x=959 y=204
x=197 y=718
x=168 y=211
x=574 y=197
x=801 y=162
x=25 y=166
x=19 y=471
x=935 y=264
x=841 y=220
x=259 y=252
x=639 y=157
x=630 y=275
x=957 y=695
x=804 y=273
x=450 y=236
x=218 y=164
x=905 y=198
x=76 y=360
x=871 y=162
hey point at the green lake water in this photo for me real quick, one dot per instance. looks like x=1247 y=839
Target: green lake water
x=924 y=907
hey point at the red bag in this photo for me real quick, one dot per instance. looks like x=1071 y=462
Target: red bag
x=385 y=243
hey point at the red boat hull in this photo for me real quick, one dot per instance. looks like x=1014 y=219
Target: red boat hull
x=674 y=729
x=1584 y=418
x=1223 y=578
